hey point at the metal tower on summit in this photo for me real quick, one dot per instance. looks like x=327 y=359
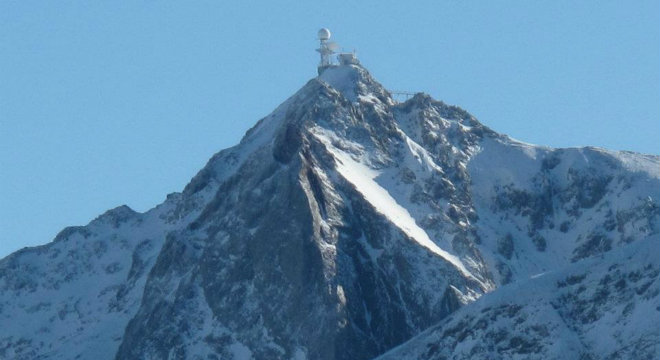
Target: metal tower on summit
x=328 y=49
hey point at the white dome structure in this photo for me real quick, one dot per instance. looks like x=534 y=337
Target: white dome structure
x=324 y=34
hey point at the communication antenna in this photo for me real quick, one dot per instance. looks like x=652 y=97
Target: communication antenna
x=326 y=49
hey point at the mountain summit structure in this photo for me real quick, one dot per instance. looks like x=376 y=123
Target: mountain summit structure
x=329 y=55
x=347 y=225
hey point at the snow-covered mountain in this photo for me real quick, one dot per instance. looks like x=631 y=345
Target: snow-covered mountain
x=345 y=224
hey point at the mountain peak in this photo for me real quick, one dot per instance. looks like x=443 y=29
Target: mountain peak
x=355 y=83
x=345 y=223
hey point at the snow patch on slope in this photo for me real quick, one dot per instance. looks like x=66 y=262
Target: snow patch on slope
x=343 y=79
x=421 y=155
x=362 y=177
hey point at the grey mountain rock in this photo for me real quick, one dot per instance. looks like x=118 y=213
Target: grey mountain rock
x=341 y=226
x=601 y=308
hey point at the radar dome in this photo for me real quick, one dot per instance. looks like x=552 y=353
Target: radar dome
x=324 y=34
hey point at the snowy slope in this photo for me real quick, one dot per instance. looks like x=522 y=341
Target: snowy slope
x=363 y=178
x=600 y=308
x=342 y=225
x=551 y=207
x=74 y=296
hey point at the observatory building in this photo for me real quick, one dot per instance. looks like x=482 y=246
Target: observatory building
x=329 y=55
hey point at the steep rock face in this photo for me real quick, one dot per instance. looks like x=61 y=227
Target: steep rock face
x=342 y=225
x=289 y=258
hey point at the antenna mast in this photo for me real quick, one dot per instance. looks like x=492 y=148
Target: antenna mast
x=325 y=49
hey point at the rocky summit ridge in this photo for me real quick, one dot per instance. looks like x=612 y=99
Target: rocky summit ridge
x=347 y=225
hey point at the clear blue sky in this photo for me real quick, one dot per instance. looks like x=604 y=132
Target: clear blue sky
x=104 y=103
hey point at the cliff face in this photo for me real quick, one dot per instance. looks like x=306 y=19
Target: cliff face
x=342 y=225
